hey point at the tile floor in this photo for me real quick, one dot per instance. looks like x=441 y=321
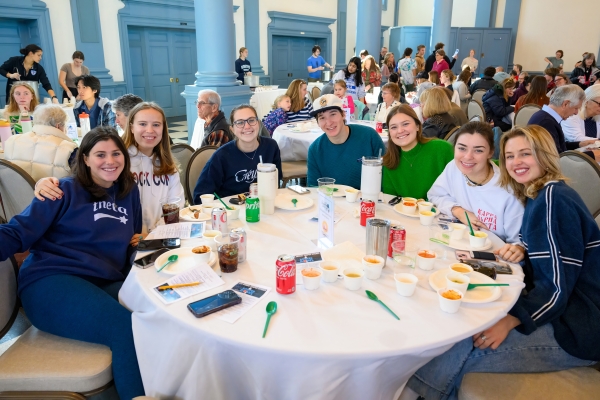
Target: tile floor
x=178 y=129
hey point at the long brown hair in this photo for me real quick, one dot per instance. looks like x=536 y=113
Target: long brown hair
x=543 y=149
x=537 y=92
x=373 y=67
x=294 y=93
x=82 y=173
x=162 y=158
x=391 y=159
x=12 y=106
x=434 y=77
x=508 y=83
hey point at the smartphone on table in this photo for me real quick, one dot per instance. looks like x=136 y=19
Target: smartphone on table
x=148 y=261
x=155 y=244
x=299 y=189
x=212 y=304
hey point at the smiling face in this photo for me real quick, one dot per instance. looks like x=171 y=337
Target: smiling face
x=331 y=122
x=472 y=154
x=520 y=161
x=106 y=162
x=510 y=91
x=23 y=97
x=403 y=131
x=248 y=133
x=147 y=128
x=339 y=91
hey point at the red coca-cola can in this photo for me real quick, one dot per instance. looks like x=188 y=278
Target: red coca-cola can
x=379 y=127
x=397 y=234
x=367 y=210
x=286 y=274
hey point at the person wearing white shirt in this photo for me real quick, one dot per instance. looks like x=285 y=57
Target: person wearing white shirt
x=390 y=93
x=470 y=184
x=585 y=126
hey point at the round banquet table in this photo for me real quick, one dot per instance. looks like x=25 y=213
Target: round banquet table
x=293 y=146
x=330 y=343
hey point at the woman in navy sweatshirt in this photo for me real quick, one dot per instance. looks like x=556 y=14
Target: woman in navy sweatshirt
x=556 y=324
x=232 y=168
x=81 y=251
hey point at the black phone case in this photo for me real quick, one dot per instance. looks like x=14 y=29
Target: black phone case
x=484 y=255
x=156 y=244
x=214 y=310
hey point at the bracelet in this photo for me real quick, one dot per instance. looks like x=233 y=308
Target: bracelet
x=54 y=97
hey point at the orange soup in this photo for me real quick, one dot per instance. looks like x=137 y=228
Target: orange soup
x=426 y=254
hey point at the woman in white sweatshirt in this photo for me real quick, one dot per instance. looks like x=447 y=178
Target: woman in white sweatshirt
x=155 y=172
x=470 y=183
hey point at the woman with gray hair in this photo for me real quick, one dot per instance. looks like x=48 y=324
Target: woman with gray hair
x=46 y=150
x=121 y=107
x=584 y=127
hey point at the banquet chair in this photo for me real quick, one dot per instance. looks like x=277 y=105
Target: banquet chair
x=478 y=95
x=16 y=190
x=293 y=170
x=475 y=109
x=182 y=153
x=575 y=383
x=195 y=167
x=39 y=365
x=584 y=175
x=315 y=93
x=451 y=136
x=523 y=115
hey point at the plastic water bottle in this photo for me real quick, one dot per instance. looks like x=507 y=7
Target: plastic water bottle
x=84 y=123
x=26 y=124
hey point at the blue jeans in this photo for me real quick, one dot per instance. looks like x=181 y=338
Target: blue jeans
x=71 y=307
x=441 y=377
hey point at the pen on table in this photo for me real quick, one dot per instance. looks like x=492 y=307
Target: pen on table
x=179 y=285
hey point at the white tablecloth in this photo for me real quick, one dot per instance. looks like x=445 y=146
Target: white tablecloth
x=294 y=146
x=263 y=101
x=325 y=344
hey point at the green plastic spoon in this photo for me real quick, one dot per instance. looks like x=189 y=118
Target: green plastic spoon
x=474 y=285
x=271 y=309
x=222 y=202
x=170 y=260
x=294 y=201
x=373 y=297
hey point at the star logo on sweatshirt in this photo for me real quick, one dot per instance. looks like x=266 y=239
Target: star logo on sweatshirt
x=97 y=216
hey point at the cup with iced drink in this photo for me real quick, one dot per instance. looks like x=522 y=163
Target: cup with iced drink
x=227 y=249
x=170 y=209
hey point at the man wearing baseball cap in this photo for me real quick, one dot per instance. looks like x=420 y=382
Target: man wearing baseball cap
x=335 y=154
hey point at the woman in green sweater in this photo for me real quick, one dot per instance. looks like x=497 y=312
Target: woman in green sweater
x=412 y=162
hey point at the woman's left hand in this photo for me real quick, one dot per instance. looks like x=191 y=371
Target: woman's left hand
x=511 y=252
x=135 y=240
x=55 y=100
x=494 y=336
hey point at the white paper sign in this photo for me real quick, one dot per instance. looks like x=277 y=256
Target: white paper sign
x=326 y=220
x=202 y=273
x=181 y=230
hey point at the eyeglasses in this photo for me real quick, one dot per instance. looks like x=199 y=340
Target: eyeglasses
x=595 y=102
x=241 y=122
x=202 y=103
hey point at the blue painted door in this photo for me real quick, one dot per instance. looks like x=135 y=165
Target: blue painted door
x=409 y=36
x=496 y=48
x=163 y=61
x=469 y=39
x=10 y=43
x=289 y=55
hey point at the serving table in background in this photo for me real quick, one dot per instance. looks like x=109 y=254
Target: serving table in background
x=330 y=343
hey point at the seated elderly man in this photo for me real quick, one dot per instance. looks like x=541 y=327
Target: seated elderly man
x=335 y=153
x=121 y=107
x=45 y=151
x=216 y=128
x=564 y=103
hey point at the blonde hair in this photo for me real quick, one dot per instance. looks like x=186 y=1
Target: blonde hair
x=278 y=100
x=544 y=150
x=341 y=83
x=294 y=93
x=373 y=67
x=12 y=106
x=434 y=77
x=162 y=158
x=435 y=101
x=242 y=49
x=449 y=74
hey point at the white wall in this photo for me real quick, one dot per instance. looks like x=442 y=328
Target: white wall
x=538 y=35
x=500 y=13
x=350 y=29
x=238 y=20
x=110 y=37
x=463 y=13
x=420 y=13
x=62 y=30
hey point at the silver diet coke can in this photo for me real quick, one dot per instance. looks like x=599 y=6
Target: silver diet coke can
x=219 y=220
x=253 y=190
x=242 y=243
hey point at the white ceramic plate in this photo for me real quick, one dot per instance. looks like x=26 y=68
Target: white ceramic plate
x=186 y=261
x=284 y=201
x=437 y=280
x=464 y=244
x=341 y=190
x=187 y=214
x=398 y=209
